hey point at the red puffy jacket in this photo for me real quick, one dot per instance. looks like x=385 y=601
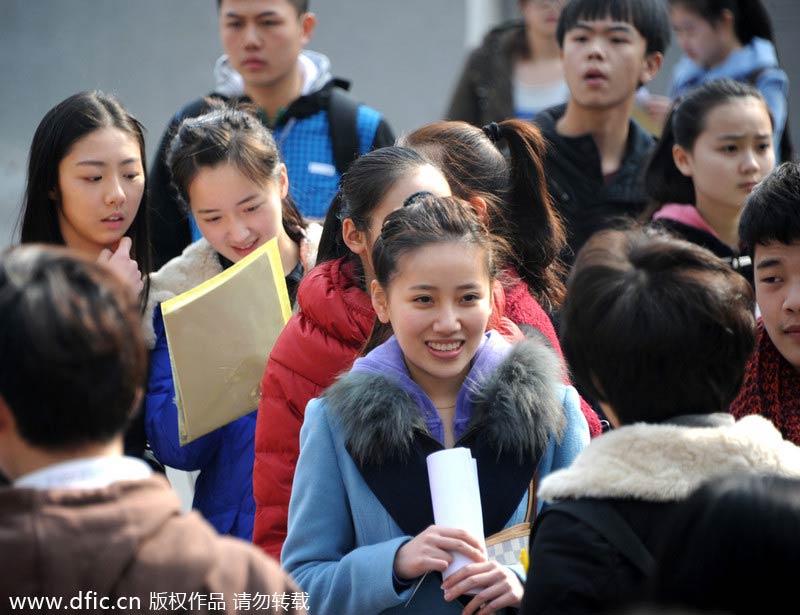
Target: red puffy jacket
x=319 y=342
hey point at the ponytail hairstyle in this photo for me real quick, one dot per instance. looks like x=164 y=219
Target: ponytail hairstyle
x=750 y=17
x=234 y=136
x=363 y=187
x=63 y=125
x=519 y=207
x=426 y=220
x=664 y=183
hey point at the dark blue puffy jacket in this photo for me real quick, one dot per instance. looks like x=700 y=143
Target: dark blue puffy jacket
x=224 y=488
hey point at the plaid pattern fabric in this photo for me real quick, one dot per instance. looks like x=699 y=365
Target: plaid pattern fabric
x=307 y=151
x=508 y=551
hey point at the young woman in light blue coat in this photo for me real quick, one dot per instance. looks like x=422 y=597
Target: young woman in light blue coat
x=361 y=533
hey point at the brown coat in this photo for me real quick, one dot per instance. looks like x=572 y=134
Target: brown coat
x=126 y=540
x=484 y=92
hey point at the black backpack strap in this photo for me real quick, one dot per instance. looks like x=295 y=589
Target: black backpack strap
x=343 y=125
x=604 y=519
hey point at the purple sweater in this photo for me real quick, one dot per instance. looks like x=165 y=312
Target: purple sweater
x=387 y=360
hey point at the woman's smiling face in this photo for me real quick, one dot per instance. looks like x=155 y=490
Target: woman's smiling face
x=438 y=303
x=235 y=214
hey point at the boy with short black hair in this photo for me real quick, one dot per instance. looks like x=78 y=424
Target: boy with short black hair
x=79 y=518
x=319 y=128
x=609 y=49
x=769 y=230
x=659 y=330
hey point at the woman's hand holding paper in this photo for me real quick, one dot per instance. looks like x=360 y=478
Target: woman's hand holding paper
x=432 y=549
x=499 y=587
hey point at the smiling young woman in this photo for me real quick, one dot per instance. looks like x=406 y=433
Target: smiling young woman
x=227 y=171
x=441 y=380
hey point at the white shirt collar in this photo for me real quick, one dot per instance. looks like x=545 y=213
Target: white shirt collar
x=88 y=473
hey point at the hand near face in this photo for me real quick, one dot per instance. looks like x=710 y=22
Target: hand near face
x=121 y=263
x=657 y=108
x=431 y=550
x=499 y=587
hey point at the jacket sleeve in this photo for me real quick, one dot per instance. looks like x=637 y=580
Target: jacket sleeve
x=571 y=565
x=284 y=395
x=576 y=437
x=320 y=547
x=561 y=453
x=774 y=85
x=231 y=567
x=304 y=361
x=464 y=102
x=161 y=413
x=250 y=572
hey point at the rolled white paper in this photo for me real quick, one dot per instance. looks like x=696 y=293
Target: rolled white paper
x=456 y=497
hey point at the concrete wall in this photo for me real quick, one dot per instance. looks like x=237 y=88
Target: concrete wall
x=403 y=57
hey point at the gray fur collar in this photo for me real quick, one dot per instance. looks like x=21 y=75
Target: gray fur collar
x=198 y=263
x=663 y=463
x=518 y=407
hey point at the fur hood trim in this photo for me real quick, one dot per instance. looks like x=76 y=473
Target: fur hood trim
x=198 y=263
x=517 y=407
x=665 y=463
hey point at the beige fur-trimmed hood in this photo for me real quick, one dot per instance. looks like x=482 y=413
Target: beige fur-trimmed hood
x=666 y=462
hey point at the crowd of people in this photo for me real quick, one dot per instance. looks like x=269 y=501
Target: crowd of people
x=607 y=320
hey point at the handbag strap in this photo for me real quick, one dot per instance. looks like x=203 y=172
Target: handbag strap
x=532 y=498
x=604 y=519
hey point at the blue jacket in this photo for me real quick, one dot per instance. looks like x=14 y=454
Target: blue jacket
x=224 y=488
x=223 y=492
x=756 y=60
x=360 y=489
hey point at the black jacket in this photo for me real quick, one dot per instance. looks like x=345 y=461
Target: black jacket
x=644 y=471
x=587 y=201
x=738 y=262
x=484 y=92
x=579 y=571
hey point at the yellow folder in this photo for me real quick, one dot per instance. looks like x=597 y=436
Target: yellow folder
x=220 y=334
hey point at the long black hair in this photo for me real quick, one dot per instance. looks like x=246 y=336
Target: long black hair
x=366 y=182
x=62 y=126
x=514 y=188
x=234 y=136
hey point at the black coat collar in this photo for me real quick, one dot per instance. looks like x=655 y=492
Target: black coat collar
x=515 y=412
